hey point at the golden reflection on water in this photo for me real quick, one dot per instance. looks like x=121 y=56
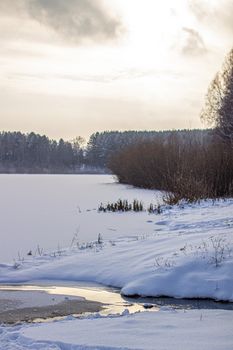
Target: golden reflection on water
x=114 y=303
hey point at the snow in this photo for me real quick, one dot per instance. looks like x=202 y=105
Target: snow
x=188 y=254
x=186 y=251
x=166 y=329
x=27 y=299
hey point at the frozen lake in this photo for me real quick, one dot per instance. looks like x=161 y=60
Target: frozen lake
x=47 y=210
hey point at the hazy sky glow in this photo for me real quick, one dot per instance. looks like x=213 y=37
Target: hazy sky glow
x=72 y=67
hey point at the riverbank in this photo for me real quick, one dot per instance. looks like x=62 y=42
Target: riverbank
x=189 y=254
x=175 y=324
x=167 y=329
x=27 y=306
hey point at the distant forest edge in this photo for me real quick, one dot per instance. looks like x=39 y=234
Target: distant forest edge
x=34 y=153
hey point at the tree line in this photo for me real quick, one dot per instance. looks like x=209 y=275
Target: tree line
x=102 y=146
x=34 y=153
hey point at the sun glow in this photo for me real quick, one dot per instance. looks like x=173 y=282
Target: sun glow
x=152 y=29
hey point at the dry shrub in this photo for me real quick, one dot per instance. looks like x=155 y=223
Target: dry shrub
x=191 y=169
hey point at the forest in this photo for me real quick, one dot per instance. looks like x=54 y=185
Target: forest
x=34 y=153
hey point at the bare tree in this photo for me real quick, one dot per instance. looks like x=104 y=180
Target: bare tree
x=218 y=109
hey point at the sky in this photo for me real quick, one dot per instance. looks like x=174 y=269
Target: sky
x=74 y=67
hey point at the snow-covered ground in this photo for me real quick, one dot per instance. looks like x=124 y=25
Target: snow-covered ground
x=163 y=330
x=186 y=251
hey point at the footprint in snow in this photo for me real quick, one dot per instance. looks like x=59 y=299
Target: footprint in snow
x=162 y=222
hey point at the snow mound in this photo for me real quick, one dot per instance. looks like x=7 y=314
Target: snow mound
x=189 y=254
x=191 y=330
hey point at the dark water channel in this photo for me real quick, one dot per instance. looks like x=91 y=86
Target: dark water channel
x=113 y=302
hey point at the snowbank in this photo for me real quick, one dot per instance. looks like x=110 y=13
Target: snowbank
x=189 y=254
x=168 y=329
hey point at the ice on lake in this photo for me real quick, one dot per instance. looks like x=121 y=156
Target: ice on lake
x=47 y=210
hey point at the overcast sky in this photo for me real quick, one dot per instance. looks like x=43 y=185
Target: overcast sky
x=73 y=67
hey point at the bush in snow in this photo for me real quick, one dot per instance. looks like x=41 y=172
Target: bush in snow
x=122 y=206
x=214 y=250
x=190 y=171
x=125 y=206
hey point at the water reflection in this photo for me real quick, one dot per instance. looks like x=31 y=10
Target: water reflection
x=113 y=302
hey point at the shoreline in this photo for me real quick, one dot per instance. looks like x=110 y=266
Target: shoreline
x=28 y=306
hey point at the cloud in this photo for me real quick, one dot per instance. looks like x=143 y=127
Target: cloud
x=73 y=20
x=12 y=7
x=199 y=9
x=216 y=14
x=193 y=43
x=129 y=74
